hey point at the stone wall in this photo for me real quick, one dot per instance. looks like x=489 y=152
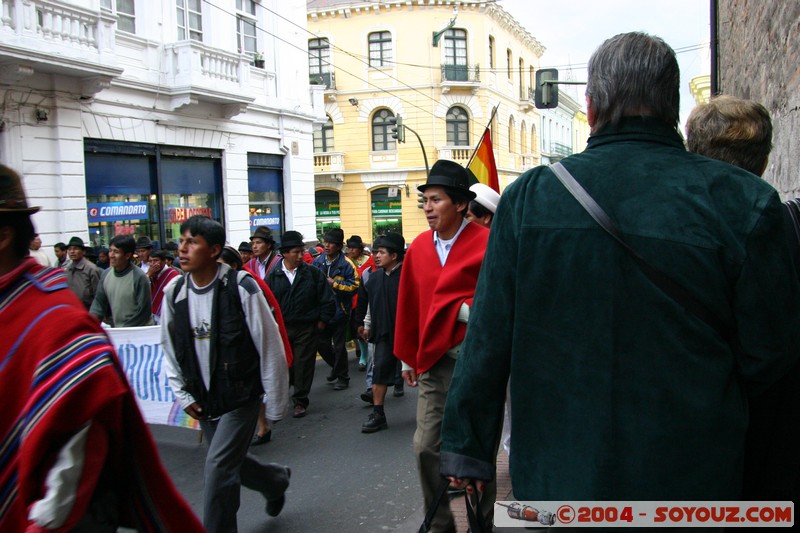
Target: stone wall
x=759 y=59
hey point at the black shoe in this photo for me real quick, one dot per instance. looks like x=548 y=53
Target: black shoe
x=367 y=396
x=398 y=391
x=261 y=439
x=330 y=378
x=375 y=422
x=341 y=384
x=362 y=367
x=274 y=507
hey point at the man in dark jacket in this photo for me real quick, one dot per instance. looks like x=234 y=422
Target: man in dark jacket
x=342 y=276
x=307 y=304
x=642 y=399
x=379 y=293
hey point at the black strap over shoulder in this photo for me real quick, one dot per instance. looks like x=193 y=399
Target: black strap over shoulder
x=668 y=285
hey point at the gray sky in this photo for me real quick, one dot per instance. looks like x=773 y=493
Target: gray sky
x=572 y=29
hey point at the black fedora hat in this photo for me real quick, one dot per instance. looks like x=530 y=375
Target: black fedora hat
x=391 y=241
x=263 y=233
x=144 y=242
x=355 y=242
x=451 y=176
x=292 y=239
x=76 y=241
x=244 y=246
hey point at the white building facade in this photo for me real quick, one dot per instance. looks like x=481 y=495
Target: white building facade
x=129 y=116
x=558 y=139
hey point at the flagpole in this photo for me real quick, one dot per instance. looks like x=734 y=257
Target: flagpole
x=475 y=151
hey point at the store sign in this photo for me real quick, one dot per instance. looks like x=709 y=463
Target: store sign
x=271 y=221
x=178 y=215
x=112 y=211
x=384 y=208
x=327 y=209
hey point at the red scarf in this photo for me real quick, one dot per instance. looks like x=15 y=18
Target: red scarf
x=166 y=275
x=276 y=312
x=58 y=371
x=431 y=296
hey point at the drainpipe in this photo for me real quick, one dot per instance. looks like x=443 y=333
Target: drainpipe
x=714 y=23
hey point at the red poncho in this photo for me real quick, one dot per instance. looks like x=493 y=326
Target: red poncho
x=431 y=295
x=58 y=371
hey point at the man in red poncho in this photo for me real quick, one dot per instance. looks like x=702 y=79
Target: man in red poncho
x=436 y=289
x=77 y=453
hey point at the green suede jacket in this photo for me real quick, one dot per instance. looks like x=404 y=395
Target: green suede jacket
x=617 y=392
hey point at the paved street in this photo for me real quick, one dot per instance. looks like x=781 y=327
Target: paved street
x=342 y=480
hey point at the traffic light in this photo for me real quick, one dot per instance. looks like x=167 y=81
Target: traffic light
x=546 y=92
x=420 y=200
x=398 y=130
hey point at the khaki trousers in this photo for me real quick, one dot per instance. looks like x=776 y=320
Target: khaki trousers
x=433 y=387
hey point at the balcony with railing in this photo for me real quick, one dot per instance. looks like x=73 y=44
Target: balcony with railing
x=195 y=72
x=459 y=154
x=526 y=98
x=328 y=162
x=328 y=79
x=57 y=37
x=460 y=77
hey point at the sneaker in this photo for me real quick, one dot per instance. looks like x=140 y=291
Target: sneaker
x=274 y=507
x=341 y=384
x=375 y=422
x=367 y=396
x=398 y=391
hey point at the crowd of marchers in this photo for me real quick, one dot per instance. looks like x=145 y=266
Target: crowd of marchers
x=623 y=322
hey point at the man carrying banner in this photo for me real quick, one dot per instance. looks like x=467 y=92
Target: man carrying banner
x=222 y=350
x=77 y=455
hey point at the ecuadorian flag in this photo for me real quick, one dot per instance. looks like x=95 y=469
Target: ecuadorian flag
x=483 y=165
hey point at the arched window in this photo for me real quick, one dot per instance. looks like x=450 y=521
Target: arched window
x=387 y=211
x=491 y=52
x=533 y=138
x=323 y=138
x=509 y=62
x=327 y=210
x=381 y=131
x=512 y=137
x=523 y=138
x=522 y=94
x=457 y=127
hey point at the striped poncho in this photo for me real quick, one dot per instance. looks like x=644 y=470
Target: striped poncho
x=60 y=377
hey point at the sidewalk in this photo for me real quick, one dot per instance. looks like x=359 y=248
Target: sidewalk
x=458 y=505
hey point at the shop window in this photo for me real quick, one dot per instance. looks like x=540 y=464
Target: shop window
x=327 y=206
x=265 y=183
x=387 y=211
x=146 y=190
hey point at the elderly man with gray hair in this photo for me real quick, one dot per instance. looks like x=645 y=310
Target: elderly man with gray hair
x=621 y=389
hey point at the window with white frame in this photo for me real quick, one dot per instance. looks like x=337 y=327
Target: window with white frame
x=190 y=19
x=457 y=122
x=125 y=12
x=246 y=22
x=380 y=49
x=323 y=138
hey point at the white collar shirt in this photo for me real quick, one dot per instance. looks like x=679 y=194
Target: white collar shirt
x=443 y=247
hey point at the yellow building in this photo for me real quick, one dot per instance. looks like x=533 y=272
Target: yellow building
x=442 y=66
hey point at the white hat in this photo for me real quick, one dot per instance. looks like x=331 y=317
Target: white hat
x=486 y=196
